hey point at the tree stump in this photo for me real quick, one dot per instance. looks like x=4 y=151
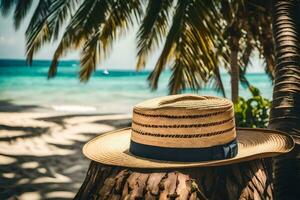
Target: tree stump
x=247 y=180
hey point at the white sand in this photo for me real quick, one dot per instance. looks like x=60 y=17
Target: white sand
x=40 y=153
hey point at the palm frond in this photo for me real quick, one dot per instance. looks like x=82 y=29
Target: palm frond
x=254 y=21
x=6 y=6
x=20 y=7
x=191 y=32
x=178 y=79
x=97 y=34
x=85 y=22
x=152 y=29
x=63 y=10
x=38 y=32
x=21 y=10
x=218 y=81
x=122 y=16
x=170 y=44
x=90 y=56
x=244 y=61
x=39 y=15
x=190 y=44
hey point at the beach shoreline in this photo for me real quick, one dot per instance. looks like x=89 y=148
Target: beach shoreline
x=40 y=150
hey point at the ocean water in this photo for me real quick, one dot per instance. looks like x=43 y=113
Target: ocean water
x=115 y=92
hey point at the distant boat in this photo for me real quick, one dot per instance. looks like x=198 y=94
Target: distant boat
x=105 y=72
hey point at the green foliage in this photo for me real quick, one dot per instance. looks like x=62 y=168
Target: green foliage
x=190 y=34
x=253 y=112
x=194 y=36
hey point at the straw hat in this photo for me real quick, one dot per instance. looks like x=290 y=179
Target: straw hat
x=180 y=131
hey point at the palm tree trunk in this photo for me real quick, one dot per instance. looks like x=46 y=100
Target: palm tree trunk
x=285 y=109
x=248 y=180
x=234 y=75
x=235 y=35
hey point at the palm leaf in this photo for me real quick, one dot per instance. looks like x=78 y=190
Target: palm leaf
x=99 y=33
x=63 y=10
x=41 y=28
x=152 y=29
x=39 y=15
x=168 y=50
x=122 y=16
x=85 y=22
x=21 y=10
x=6 y=6
x=89 y=57
x=190 y=45
x=218 y=81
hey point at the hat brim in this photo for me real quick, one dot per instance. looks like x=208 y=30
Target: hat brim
x=113 y=149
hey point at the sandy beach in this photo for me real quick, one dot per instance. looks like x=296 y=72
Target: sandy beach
x=40 y=151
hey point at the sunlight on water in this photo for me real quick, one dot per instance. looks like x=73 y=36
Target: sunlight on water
x=112 y=91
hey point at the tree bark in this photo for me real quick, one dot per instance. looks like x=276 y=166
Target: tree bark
x=235 y=35
x=234 y=76
x=285 y=109
x=248 y=180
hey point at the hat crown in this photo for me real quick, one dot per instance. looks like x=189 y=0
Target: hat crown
x=185 y=131
x=184 y=121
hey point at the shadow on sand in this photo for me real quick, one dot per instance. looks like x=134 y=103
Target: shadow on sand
x=59 y=174
x=8 y=106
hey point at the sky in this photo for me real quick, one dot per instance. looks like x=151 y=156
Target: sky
x=12 y=45
x=123 y=54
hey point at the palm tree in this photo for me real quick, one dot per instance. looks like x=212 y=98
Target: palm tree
x=190 y=52
x=285 y=110
x=247 y=29
x=194 y=44
x=92 y=26
x=183 y=28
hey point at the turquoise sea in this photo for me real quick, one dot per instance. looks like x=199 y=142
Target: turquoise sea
x=112 y=91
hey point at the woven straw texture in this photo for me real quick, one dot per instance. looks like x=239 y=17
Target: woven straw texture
x=184 y=121
x=112 y=149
